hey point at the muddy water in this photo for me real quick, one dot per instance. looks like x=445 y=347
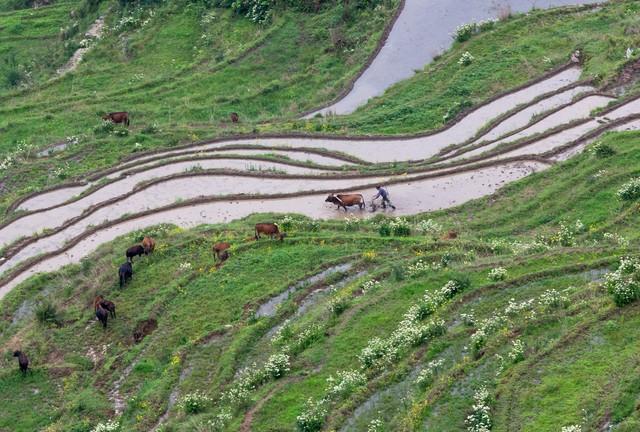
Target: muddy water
x=551 y=142
x=52 y=198
x=55 y=217
x=411 y=198
x=422 y=31
x=416 y=148
x=579 y=110
x=294 y=156
x=167 y=193
x=269 y=308
x=524 y=117
x=633 y=125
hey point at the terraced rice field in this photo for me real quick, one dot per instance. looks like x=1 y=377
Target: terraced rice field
x=481 y=303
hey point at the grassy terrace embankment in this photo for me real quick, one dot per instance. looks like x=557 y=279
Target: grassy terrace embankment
x=207 y=330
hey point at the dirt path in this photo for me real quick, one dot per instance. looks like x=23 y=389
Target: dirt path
x=94 y=32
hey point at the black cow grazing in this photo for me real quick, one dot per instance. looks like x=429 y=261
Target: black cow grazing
x=223 y=256
x=23 y=361
x=125 y=273
x=102 y=315
x=235 y=118
x=137 y=250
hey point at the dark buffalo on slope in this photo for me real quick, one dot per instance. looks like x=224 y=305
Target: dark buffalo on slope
x=235 y=118
x=125 y=273
x=346 y=200
x=218 y=250
x=117 y=117
x=23 y=361
x=103 y=316
x=137 y=250
x=269 y=229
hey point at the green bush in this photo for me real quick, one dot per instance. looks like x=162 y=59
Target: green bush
x=46 y=313
x=384 y=230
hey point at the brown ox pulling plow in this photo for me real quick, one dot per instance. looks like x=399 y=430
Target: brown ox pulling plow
x=346 y=200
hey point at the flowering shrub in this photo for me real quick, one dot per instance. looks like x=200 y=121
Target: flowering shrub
x=375 y=426
x=564 y=237
x=410 y=332
x=352 y=223
x=426 y=375
x=369 y=255
x=105 y=127
x=338 y=305
x=514 y=309
x=616 y=238
x=602 y=150
x=220 y=420
x=552 y=299
x=283 y=333
x=630 y=190
x=139 y=17
x=464 y=32
x=195 y=402
x=517 y=351
x=622 y=284
x=109 y=426
x=306 y=337
x=344 y=384
x=485 y=327
x=418 y=267
x=479 y=420
x=466 y=59
x=287 y=223
x=370 y=285
x=429 y=227
x=498 y=274
x=400 y=227
x=312 y=418
x=468 y=319
x=185 y=266
x=277 y=365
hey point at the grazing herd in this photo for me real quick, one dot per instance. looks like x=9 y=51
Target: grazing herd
x=105 y=309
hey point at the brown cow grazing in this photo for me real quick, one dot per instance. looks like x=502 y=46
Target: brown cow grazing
x=149 y=245
x=235 y=118
x=218 y=248
x=105 y=304
x=133 y=251
x=451 y=235
x=346 y=200
x=23 y=361
x=102 y=315
x=117 y=117
x=269 y=229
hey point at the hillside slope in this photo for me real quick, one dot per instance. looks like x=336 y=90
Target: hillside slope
x=512 y=312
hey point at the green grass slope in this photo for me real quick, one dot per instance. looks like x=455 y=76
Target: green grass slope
x=547 y=343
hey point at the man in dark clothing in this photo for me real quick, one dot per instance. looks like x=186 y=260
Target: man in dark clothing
x=382 y=193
